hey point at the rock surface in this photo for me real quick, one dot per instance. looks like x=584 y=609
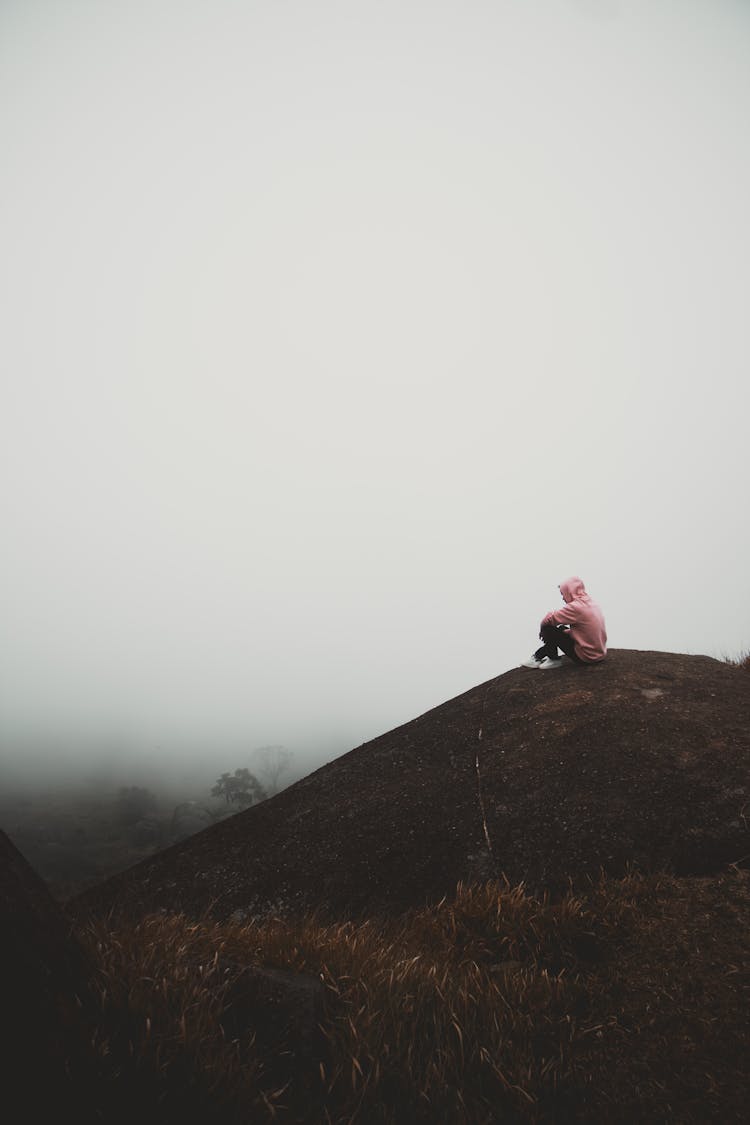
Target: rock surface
x=44 y=980
x=541 y=777
x=283 y=1011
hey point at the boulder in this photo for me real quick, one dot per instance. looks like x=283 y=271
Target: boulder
x=541 y=778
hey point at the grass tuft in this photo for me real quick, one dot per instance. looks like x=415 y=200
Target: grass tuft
x=495 y=1006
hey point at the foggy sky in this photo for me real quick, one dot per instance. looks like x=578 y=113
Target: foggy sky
x=336 y=334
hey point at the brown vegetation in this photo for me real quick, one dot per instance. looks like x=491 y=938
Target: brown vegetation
x=625 y=1003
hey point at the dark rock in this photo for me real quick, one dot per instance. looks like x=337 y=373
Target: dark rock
x=642 y=760
x=44 y=978
x=282 y=1014
x=281 y=1010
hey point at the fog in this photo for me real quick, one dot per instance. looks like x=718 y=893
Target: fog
x=335 y=335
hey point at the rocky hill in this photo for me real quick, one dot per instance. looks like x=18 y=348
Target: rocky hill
x=541 y=777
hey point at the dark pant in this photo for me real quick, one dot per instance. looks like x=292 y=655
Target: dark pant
x=557 y=637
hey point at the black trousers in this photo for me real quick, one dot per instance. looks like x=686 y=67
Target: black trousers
x=557 y=637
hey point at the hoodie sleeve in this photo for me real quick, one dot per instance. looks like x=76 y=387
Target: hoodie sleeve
x=565 y=615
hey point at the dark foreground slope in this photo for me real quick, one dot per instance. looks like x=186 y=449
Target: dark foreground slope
x=48 y=1009
x=540 y=777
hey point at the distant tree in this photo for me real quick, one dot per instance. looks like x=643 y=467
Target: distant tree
x=241 y=788
x=271 y=762
x=188 y=818
x=134 y=803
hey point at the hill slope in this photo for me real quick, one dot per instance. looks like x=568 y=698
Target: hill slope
x=541 y=777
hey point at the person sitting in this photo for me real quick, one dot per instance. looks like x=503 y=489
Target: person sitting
x=577 y=629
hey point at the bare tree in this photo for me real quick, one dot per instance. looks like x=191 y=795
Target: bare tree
x=271 y=762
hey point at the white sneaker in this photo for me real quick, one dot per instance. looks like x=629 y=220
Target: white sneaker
x=533 y=662
x=549 y=663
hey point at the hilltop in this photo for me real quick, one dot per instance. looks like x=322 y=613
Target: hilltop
x=198 y=985
x=540 y=778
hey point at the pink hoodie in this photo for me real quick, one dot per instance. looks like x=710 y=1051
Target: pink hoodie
x=585 y=618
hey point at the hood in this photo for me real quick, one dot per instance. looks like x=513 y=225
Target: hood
x=573 y=588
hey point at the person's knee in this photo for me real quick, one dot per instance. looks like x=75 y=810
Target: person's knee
x=550 y=632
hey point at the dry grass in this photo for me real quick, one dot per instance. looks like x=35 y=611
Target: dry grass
x=493 y=1007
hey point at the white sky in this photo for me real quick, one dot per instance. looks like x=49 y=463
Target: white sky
x=335 y=335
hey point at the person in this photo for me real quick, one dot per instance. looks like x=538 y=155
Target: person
x=577 y=629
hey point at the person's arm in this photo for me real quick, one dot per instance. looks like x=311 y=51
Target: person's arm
x=565 y=615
